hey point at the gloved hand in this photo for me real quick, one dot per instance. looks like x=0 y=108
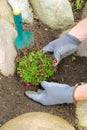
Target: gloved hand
x=53 y=93
x=62 y=47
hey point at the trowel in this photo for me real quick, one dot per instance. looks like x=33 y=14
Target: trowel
x=24 y=38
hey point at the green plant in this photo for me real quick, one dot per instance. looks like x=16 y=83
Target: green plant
x=34 y=67
x=79 y=4
x=73 y=58
x=0 y=124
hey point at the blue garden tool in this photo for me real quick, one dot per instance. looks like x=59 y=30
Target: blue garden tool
x=24 y=38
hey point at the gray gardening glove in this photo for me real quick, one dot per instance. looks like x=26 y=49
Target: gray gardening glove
x=53 y=93
x=62 y=47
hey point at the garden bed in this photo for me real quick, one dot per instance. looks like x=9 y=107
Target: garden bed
x=13 y=102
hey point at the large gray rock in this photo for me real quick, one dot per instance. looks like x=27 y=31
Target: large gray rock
x=37 y=121
x=7 y=49
x=24 y=7
x=54 y=13
x=5 y=11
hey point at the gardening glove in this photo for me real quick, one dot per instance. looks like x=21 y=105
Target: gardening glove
x=62 y=47
x=53 y=93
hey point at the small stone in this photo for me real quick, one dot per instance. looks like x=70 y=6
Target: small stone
x=46 y=29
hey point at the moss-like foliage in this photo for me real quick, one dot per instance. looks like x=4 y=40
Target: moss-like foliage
x=35 y=67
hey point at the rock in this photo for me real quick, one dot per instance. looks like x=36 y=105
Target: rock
x=24 y=7
x=82 y=49
x=7 y=49
x=37 y=121
x=81 y=111
x=54 y=13
x=84 y=11
x=5 y=11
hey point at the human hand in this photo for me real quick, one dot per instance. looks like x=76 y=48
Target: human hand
x=62 y=47
x=53 y=93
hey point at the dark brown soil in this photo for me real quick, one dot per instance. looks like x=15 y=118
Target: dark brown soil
x=13 y=102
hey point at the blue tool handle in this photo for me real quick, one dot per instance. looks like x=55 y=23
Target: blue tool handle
x=18 y=23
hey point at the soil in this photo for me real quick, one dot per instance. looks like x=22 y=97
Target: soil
x=13 y=102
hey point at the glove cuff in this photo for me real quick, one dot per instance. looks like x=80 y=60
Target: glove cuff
x=69 y=96
x=72 y=39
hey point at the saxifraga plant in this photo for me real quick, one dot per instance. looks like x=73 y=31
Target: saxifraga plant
x=35 y=67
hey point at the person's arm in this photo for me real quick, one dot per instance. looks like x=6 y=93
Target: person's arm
x=68 y=43
x=56 y=93
x=80 y=93
x=52 y=93
x=80 y=30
